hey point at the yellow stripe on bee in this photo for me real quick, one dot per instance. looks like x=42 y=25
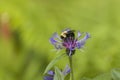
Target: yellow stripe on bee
x=64 y=33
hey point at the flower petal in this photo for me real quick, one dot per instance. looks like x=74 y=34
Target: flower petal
x=87 y=36
x=52 y=41
x=78 y=45
x=55 y=35
x=81 y=42
x=56 y=41
x=51 y=73
x=66 y=70
x=56 y=44
x=79 y=34
x=48 y=78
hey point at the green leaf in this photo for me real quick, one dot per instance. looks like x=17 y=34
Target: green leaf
x=50 y=65
x=67 y=77
x=58 y=74
x=116 y=74
x=84 y=78
x=105 y=76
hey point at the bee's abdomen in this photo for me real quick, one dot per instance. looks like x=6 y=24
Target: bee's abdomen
x=70 y=34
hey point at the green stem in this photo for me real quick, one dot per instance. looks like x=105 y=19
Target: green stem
x=71 y=66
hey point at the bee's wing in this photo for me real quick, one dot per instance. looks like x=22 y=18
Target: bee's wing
x=66 y=29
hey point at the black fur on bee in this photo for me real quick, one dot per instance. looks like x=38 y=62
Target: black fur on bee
x=67 y=34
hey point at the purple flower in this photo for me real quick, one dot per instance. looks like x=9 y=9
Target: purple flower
x=68 y=41
x=50 y=74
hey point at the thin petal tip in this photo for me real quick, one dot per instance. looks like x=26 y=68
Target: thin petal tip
x=88 y=35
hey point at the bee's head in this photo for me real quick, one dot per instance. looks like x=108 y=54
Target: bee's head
x=63 y=34
x=66 y=34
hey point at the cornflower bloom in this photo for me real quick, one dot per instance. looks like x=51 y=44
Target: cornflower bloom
x=68 y=41
x=50 y=74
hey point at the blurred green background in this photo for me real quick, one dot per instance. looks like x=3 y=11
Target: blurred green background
x=27 y=25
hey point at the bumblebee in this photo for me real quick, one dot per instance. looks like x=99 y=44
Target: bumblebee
x=67 y=34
